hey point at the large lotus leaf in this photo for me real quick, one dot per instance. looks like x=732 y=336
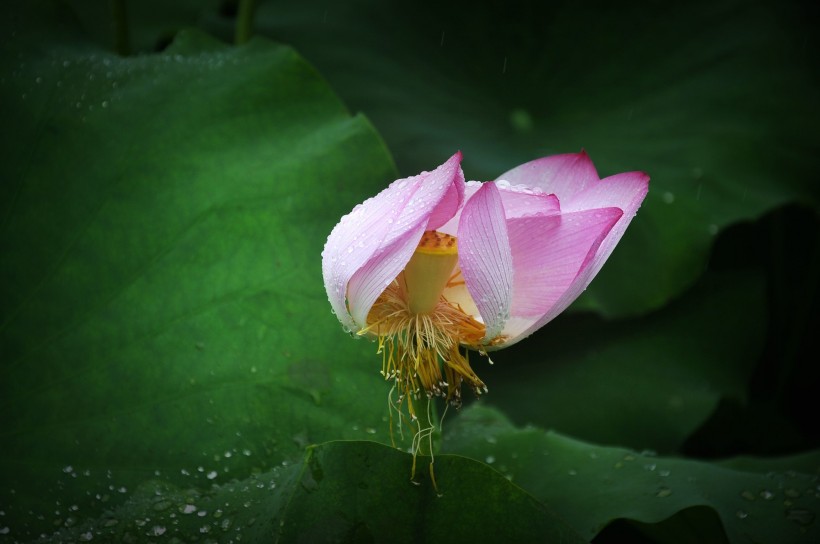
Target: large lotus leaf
x=162 y=302
x=645 y=383
x=341 y=492
x=714 y=100
x=773 y=500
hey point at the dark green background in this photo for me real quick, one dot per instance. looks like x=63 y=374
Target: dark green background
x=170 y=369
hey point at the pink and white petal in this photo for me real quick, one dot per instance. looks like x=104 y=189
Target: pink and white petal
x=517 y=201
x=562 y=175
x=625 y=191
x=485 y=257
x=430 y=190
x=520 y=201
x=377 y=223
x=372 y=279
x=451 y=226
x=451 y=203
x=550 y=254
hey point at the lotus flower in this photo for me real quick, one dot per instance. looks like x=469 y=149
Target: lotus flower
x=433 y=267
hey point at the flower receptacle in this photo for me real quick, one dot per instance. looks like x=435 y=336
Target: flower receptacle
x=428 y=271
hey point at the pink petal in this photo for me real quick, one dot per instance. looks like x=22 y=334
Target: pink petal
x=625 y=191
x=518 y=201
x=550 y=254
x=449 y=205
x=377 y=231
x=562 y=175
x=451 y=226
x=485 y=257
x=376 y=274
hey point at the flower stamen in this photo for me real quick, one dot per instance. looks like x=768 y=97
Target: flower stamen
x=423 y=337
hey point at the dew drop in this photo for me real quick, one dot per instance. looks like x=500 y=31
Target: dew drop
x=742 y=514
x=748 y=495
x=663 y=492
x=162 y=505
x=187 y=509
x=490 y=459
x=766 y=495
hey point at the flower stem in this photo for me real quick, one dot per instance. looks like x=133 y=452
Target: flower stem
x=121 y=38
x=244 y=21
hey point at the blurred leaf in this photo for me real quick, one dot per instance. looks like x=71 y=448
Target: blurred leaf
x=642 y=383
x=779 y=417
x=591 y=486
x=342 y=492
x=162 y=302
x=693 y=525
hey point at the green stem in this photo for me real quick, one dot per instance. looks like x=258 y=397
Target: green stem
x=121 y=39
x=244 y=21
